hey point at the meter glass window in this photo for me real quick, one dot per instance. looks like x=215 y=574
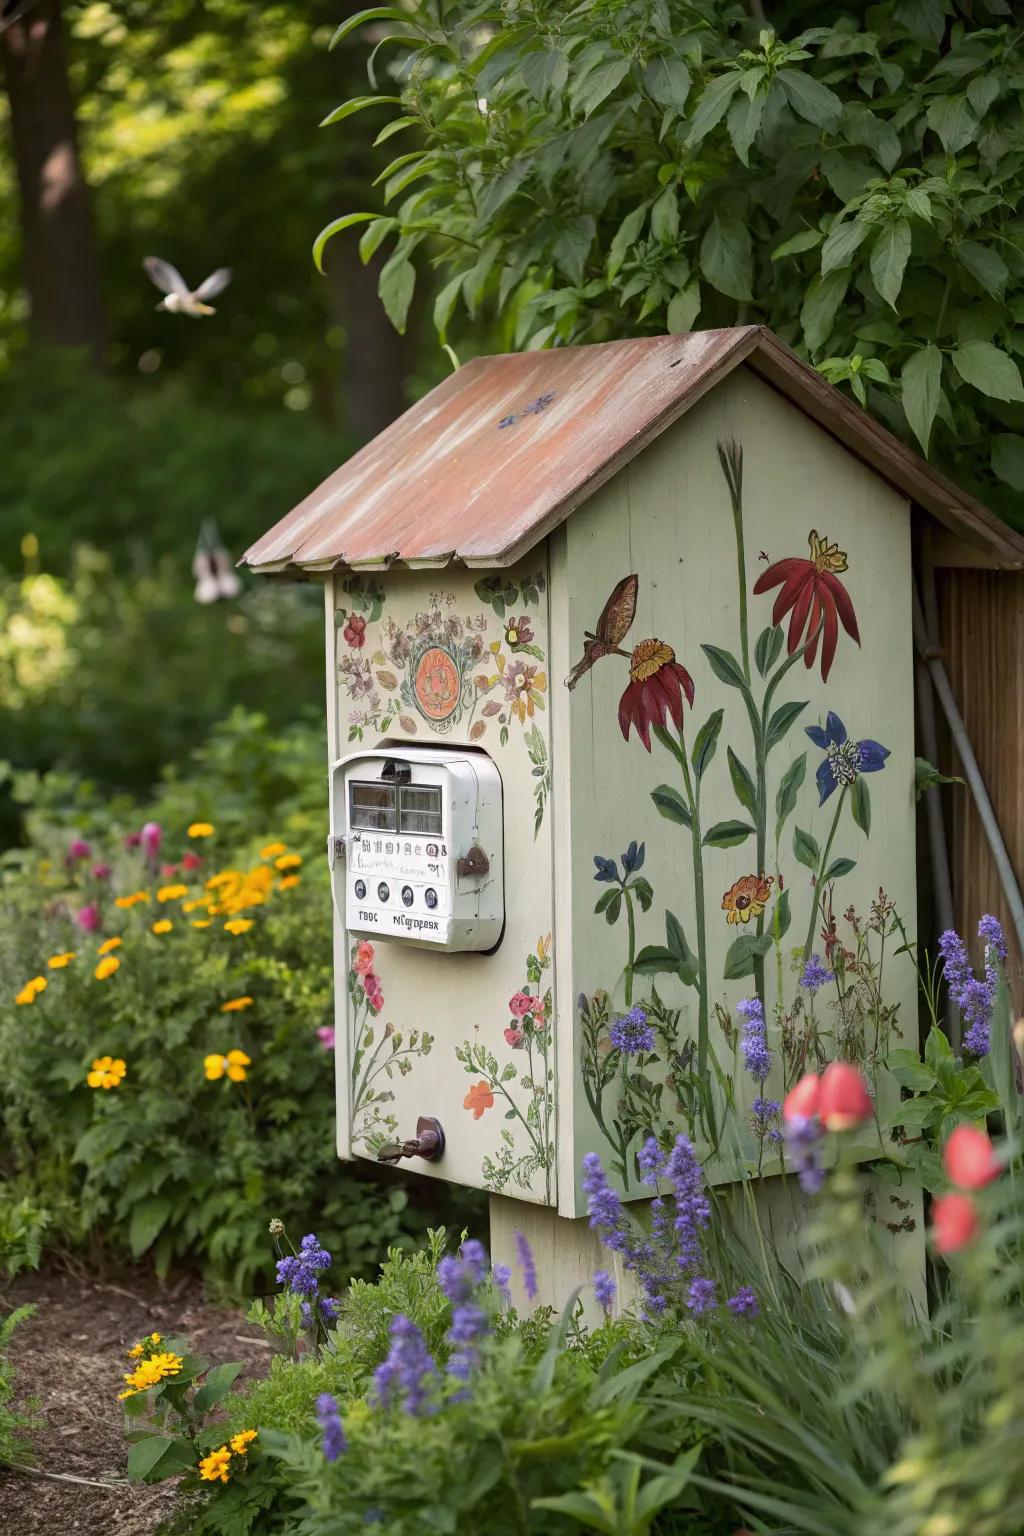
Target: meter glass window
x=372 y=807
x=419 y=809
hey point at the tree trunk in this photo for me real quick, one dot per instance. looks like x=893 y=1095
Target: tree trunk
x=59 y=255
x=376 y=360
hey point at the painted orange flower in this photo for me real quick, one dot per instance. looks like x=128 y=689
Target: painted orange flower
x=479 y=1098
x=657 y=683
x=814 y=597
x=747 y=898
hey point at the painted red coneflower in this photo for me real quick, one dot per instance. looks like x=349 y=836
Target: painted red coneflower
x=657 y=683
x=814 y=598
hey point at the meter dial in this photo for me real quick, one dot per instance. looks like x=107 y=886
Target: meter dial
x=430 y=897
x=407 y=895
x=383 y=891
x=360 y=889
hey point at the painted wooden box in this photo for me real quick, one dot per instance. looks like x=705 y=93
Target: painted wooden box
x=664 y=586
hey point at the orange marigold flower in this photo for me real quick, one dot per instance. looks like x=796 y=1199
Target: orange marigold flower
x=58 y=962
x=479 y=1098
x=286 y=882
x=163 y=926
x=108 y=945
x=288 y=861
x=747 y=898
x=200 y=829
x=241 y=1442
x=272 y=850
x=107 y=966
x=239 y=925
x=201 y=922
x=171 y=892
x=131 y=900
x=236 y=1004
x=198 y=903
x=214 y=1468
x=31 y=990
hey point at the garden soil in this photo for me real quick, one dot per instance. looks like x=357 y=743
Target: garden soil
x=71 y=1357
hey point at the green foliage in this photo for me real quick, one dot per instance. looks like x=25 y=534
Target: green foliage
x=851 y=179
x=15 y=1423
x=22 y=1226
x=169 y=1162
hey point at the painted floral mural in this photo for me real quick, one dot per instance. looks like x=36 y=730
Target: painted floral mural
x=379 y=1051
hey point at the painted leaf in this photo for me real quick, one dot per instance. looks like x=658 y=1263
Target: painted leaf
x=889 y=256
x=769 y=644
x=643 y=892
x=744 y=953
x=727 y=834
x=781 y=917
x=789 y=788
x=921 y=387
x=477 y=730
x=805 y=849
x=725 y=666
x=706 y=745
x=781 y=720
x=686 y=960
x=614 y=907
x=604 y=900
x=671 y=804
x=742 y=783
x=838 y=868
x=860 y=804
x=993 y=372
x=654 y=960
x=408 y=724
x=387 y=680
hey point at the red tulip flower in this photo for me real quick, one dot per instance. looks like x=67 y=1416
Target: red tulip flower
x=844 y=1101
x=655 y=691
x=812 y=595
x=955 y=1223
x=801 y=1102
x=970 y=1159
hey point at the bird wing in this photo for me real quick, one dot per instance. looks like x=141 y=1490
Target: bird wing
x=167 y=278
x=214 y=284
x=618 y=612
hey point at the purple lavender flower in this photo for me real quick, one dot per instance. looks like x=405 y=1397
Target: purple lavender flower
x=474 y=1256
x=468 y=1326
x=632 y=1034
x=693 y=1211
x=328 y=1415
x=604 y=1290
x=701 y=1295
x=330 y=1308
x=803 y=1145
x=649 y=1160
x=975 y=999
x=524 y=1253
x=454 y=1279
x=501 y=1274
x=408 y=1373
x=744 y=1303
x=756 y=1056
x=604 y=1208
x=990 y=932
x=300 y=1271
x=815 y=975
x=764 y=1119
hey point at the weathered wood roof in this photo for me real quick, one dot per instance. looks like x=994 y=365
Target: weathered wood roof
x=505 y=448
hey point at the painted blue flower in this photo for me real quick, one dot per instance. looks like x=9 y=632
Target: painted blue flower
x=633 y=858
x=844 y=759
x=607 y=869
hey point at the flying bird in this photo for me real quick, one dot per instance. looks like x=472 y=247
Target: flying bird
x=179 y=299
x=617 y=615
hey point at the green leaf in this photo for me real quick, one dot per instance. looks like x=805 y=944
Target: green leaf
x=358 y=104
x=843 y=240
x=605 y=900
x=925 y=20
x=985 y=265
x=860 y=805
x=781 y=721
x=667 y=81
x=148 y=1218
x=377 y=13
x=889 y=256
x=395 y=288
x=545 y=72
x=910 y=1071
x=742 y=783
x=726 y=256
x=705 y=746
x=805 y=849
x=675 y=937
x=785 y=798
x=810 y=99
x=937 y=1050
x=838 y=868
x=625 y=237
x=822 y=300
x=806 y=240
x=156 y=1457
x=928 y=777
x=985 y=367
x=671 y=805
x=915 y=1114
x=335 y=227
x=217 y=1385
x=665 y=217
x=683 y=309
x=780 y=917
x=598 y=85
x=1008 y=459
x=445 y=303
x=614 y=907
x=744 y=952
x=725 y=666
x=572 y=244
x=768 y=648
x=712 y=106
x=727 y=834
x=744 y=120
x=920 y=383
x=954 y=122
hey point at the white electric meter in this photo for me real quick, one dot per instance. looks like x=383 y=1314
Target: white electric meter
x=416 y=846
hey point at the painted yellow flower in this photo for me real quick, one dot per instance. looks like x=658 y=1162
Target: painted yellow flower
x=108 y=945
x=241 y=1442
x=131 y=900
x=286 y=882
x=31 y=990
x=288 y=861
x=232 y=1065
x=171 y=892
x=58 y=962
x=107 y=1072
x=272 y=850
x=236 y=1004
x=239 y=925
x=107 y=966
x=214 y=1468
x=163 y=926
x=201 y=922
x=200 y=829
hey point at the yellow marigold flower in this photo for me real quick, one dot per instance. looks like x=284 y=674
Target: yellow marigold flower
x=136 y=1352
x=214 y=1468
x=155 y=1338
x=58 y=962
x=236 y=1004
x=200 y=829
x=197 y=904
x=239 y=925
x=149 y=1373
x=241 y=1442
x=288 y=861
x=107 y=1072
x=201 y=922
x=171 y=892
x=272 y=850
x=108 y=945
x=233 y=1064
x=287 y=881
x=131 y=900
x=163 y=926
x=224 y=877
x=107 y=966
x=31 y=990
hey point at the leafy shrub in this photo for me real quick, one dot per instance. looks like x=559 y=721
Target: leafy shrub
x=14 y=1423
x=121 y=1099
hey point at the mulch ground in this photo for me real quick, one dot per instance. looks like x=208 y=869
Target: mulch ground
x=71 y=1357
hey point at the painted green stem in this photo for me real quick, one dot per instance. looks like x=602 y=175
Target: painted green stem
x=693 y=801
x=819 y=875
x=631 y=924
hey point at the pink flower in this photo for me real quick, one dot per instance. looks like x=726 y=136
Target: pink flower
x=133 y=839
x=150 y=838
x=844 y=1101
x=520 y=1004
x=78 y=848
x=374 y=992
x=514 y=1037
x=801 y=1102
x=168 y=870
x=88 y=918
x=363 y=962
x=101 y=871
x=970 y=1158
x=190 y=860
x=955 y=1223
x=325 y=1034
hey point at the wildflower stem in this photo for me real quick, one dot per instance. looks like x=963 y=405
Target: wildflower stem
x=693 y=801
x=822 y=867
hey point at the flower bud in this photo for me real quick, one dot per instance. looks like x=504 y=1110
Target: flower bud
x=955 y=1223
x=844 y=1101
x=969 y=1158
x=88 y=918
x=801 y=1102
x=151 y=837
x=276 y=1227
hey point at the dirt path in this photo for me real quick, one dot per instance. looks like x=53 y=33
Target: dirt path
x=71 y=1356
